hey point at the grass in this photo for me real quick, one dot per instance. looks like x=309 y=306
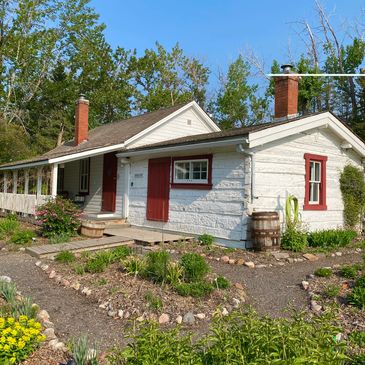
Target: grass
x=153 y=301
x=65 y=257
x=332 y=291
x=324 y=272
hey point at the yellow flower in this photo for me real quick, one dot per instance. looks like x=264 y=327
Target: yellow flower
x=11 y=320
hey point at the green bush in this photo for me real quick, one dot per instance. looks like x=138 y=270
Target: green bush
x=324 y=272
x=358 y=359
x=83 y=352
x=174 y=273
x=357 y=297
x=194 y=266
x=294 y=240
x=120 y=253
x=59 y=238
x=153 y=301
x=206 y=239
x=134 y=265
x=8 y=226
x=156 y=268
x=331 y=238
x=194 y=289
x=97 y=263
x=221 y=282
x=59 y=216
x=349 y=271
x=65 y=257
x=22 y=237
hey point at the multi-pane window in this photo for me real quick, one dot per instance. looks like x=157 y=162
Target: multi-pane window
x=314 y=182
x=84 y=175
x=191 y=171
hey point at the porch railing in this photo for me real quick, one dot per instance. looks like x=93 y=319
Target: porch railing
x=22 y=203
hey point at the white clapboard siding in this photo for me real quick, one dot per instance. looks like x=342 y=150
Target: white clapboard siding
x=280 y=171
x=184 y=124
x=219 y=212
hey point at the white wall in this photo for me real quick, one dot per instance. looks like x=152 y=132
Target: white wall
x=184 y=124
x=280 y=171
x=218 y=212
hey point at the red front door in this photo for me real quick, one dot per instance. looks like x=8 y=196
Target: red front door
x=109 y=182
x=158 y=191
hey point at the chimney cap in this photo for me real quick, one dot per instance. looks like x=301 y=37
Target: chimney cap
x=286 y=68
x=82 y=99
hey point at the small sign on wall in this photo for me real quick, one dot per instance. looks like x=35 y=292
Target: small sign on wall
x=138 y=176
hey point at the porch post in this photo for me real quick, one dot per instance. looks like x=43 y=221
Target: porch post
x=54 y=177
x=26 y=182
x=15 y=181
x=125 y=164
x=39 y=181
x=5 y=181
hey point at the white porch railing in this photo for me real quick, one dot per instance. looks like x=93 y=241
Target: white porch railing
x=22 y=203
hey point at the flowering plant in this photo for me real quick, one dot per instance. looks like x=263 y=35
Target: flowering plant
x=18 y=339
x=59 y=216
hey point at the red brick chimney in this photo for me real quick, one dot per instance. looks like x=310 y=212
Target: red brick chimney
x=286 y=94
x=81 y=120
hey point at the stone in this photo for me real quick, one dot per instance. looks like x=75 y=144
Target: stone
x=310 y=257
x=60 y=346
x=44 y=267
x=164 y=318
x=300 y=259
x=305 y=285
x=140 y=318
x=179 y=319
x=238 y=286
x=315 y=307
x=280 y=255
x=112 y=313
x=280 y=264
x=120 y=313
x=49 y=333
x=240 y=262
x=290 y=260
x=104 y=305
x=338 y=253
x=76 y=285
x=336 y=266
x=53 y=343
x=48 y=324
x=86 y=291
x=250 y=264
x=43 y=316
x=225 y=259
x=311 y=276
x=200 y=315
x=58 y=279
x=38 y=263
x=225 y=311
x=52 y=274
x=5 y=278
x=65 y=282
x=333 y=255
x=231 y=261
x=22 y=249
x=189 y=318
x=127 y=315
x=236 y=303
x=261 y=266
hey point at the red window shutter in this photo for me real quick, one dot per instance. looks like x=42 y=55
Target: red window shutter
x=322 y=205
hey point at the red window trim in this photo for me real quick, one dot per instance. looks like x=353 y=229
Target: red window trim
x=322 y=193
x=207 y=186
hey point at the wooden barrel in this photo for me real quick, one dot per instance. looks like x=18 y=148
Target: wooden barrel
x=92 y=229
x=265 y=231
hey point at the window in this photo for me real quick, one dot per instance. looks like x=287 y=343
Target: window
x=84 y=176
x=194 y=172
x=315 y=182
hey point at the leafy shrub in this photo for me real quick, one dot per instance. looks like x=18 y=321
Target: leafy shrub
x=82 y=353
x=332 y=291
x=134 y=265
x=174 y=273
x=23 y=307
x=8 y=226
x=18 y=339
x=22 y=237
x=357 y=297
x=221 y=282
x=153 y=301
x=360 y=282
x=96 y=264
x=358 y=359
x=59 y=216
x=324 y=272
x=79 y=269
x=157 y=263
x=331 y=238
x=349 y=271
x=120 y=253
x=206 y=239
x=194 y=289
x=294 y=240
x=59 y=238
x=194 y=266
x=65 y=257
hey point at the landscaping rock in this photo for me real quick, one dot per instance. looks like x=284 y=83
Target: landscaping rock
x=58 y=279
x=339 y=253
x=43 y=316
x=231 y=261
x=104 y=305
x=189 y=318
x=260 y=266
x=236 y=303
x=300 y=259
x=140 y=318
x=65 y=282
x=120 y=313
x=38 y=263
x=240 y=262
x=48 y=324
x=280 y=264
x=225 y=259
x=305 y=285
x=280 y=255
x=238 y=286
x=200 y=315
x=5 y=278
x=76 y=286
x=86 y=291
x=310 y=257
x=164 y=318
x=49 y=333
x=127 y=315
x=225 y=312
x=22 y=249
x=179 y=319
x=315 y=307
x=250 y=264
x=44 y=267
x=112 y=313
x=290 y=260
x=52 y=274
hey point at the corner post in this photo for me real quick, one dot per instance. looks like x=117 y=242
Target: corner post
x=54 y=179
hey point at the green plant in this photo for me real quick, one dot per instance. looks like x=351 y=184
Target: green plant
x=153 y=301
x=221 y=282
x=79 y=269
x=8 y=291
x=331 y=238
x=357 y=338
x=83 y=353
x=8 y=226
x=120 y=253
x=294 y=240
x=59 y=216
x=156 y=267
x=194 y=267
x=360 y=282
x=349 y=271
x=59 y=238
x=194 y=289
x=352 y=186
x=96 y=264
x=22 y=237
x=331 y=291
x=358 y=359
x=206 y=239
x=65 y=257
x=357 y=297
x=291 y=212
x=135 y=265
x=324 y=272
x=174 y=273
x=24 y=307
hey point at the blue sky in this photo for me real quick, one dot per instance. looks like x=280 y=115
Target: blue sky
x=215 y=31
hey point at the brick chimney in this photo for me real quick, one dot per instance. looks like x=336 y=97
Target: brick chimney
x=286 y=94
x=81 y=120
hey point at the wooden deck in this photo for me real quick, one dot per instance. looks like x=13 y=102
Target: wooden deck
x=79 y=246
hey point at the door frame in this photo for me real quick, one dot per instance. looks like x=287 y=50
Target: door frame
x=114 y=192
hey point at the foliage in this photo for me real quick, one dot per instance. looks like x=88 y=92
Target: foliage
x=331 y=291
x=65 y=257
x=294 y=240
x=357 y=338
x=174 y=273
x=241 y=338
x=8 y=291
x=8 y=226
x=221 y=283
x=360 y=282
x=194 y=267
x=357 y=297
x=22 y=237
x=156 y=263
x=206 y=239
x=291 y=212
x=324 y=272
x=99 y=261
x=153 y=301
x=120 y=253
x=59 y=238
x=331 y=238
x=194 y=289
x=134 y=265
x=352 y=186
x=59 y=216
x=18 y=339
x=349 y=271
x=83 y=353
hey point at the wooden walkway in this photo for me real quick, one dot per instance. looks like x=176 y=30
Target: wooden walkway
x=79 y=246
